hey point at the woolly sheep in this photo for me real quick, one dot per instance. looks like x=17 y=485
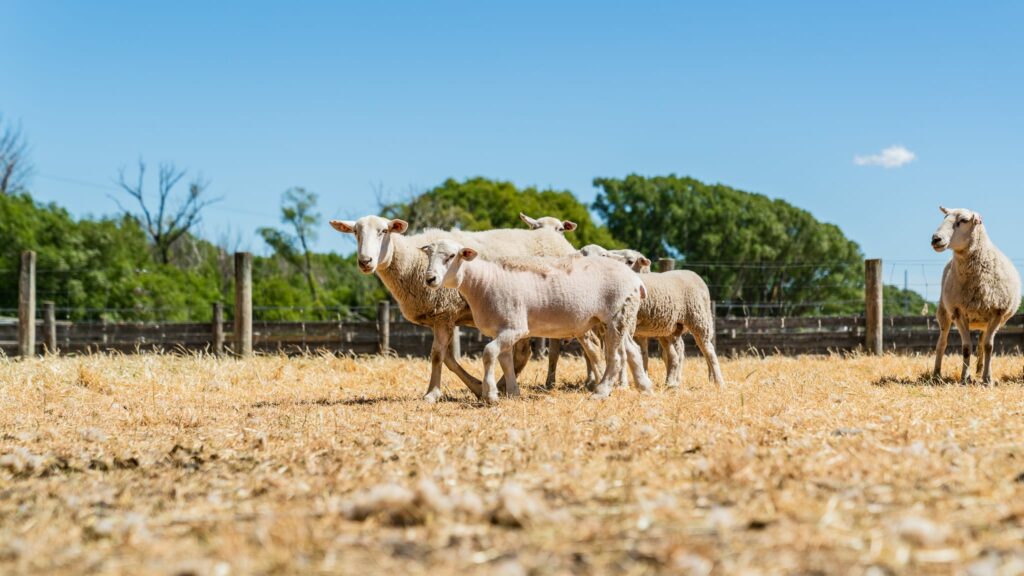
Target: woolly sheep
x=980 y=289
x=397 y=260
x=512 y=299
x=677 y=301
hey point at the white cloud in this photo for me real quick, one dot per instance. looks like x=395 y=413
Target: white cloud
x=891 y=157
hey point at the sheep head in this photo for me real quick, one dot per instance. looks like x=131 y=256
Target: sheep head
x=555 y=224
x=373 y=235
x=444 y=263
x=956 y=230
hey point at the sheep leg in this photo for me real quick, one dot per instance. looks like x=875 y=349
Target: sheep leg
x=490 y=388
x=645 y=350
x=523 y=351
x=511 y=385
x=964 y=328
x=636 y=365
x=988 y=345
x=594 y=337
x=673 y=353
x=591 y=350
x=440 y=352
x=945 y=322
x=554 y=351
x=623 y=374
x=612 y=349
x=707 y=348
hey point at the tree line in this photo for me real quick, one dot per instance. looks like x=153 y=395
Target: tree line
x=760 y=256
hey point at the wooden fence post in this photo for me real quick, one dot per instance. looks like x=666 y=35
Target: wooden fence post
x=243 y=303
x=457 y=344
x=27 y=305
x=714 y=324
x=666 y=264
x=218 y=328
x=873 y=305
x=49 y=328
x=383 y=326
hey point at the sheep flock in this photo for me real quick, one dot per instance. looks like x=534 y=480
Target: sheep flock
x=516 y=284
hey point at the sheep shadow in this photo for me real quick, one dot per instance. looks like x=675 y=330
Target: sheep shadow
x=927 y=379
x=358 y=401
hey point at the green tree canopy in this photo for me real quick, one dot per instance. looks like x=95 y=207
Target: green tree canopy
x=483 y=204
x=758 y=255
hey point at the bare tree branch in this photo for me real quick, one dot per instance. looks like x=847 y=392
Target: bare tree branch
x=15 y=167
x=169 y=224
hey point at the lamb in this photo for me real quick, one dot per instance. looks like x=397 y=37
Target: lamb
x=677 y=301
x=512 y=299
x=397 y=260
x=980 y=289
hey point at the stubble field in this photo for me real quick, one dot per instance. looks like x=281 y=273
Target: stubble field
x=323 y=464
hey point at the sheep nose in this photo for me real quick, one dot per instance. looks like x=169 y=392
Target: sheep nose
x=365 y=261
x=431 y=280
x=936 y=240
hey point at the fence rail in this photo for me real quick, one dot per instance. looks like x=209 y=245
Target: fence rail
x=870 y=333
x=734 y=336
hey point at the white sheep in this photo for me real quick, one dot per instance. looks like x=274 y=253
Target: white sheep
x=678 y=301
x=980 y=289
x=512 y=299
x=398 y=261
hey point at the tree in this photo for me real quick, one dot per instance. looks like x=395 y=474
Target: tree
x=165 y=224
x=483 y=204
x=900 y=302
x=758 y=255
x=298 y=209
x=15 y=167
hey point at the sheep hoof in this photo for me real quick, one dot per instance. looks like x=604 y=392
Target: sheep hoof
x=432 y=397
x=491 y=400
x=601 y=394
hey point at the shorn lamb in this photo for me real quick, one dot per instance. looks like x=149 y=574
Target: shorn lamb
x=512 y=299
x=980 y=289
x=397 y=260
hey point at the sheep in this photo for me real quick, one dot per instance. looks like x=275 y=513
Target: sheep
x=397 y=260
x=980 y=289
x=548 y=222
x=514 y=298
x=677 y=301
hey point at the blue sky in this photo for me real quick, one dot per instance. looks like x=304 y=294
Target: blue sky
x=771 y=97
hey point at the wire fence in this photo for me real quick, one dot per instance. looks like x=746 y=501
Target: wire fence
x=836 y=292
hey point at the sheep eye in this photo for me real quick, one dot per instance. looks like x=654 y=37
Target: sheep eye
x=448 y=258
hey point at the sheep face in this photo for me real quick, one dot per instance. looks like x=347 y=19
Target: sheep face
x=561 y=226
x=956 y=229
x=373 y=234
x=444 y=263
x=635 y=260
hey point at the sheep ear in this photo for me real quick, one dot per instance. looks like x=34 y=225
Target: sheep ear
x=398 y=226
x=468 y=254
x=977 y=218
x=644 y=261
x=944 y=209
x=344 y=226
x=529 y=221
x=568 y=225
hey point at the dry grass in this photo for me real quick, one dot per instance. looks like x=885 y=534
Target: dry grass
x=153 y=464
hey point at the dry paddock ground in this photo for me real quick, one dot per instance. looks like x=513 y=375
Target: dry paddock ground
x=322 y=464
